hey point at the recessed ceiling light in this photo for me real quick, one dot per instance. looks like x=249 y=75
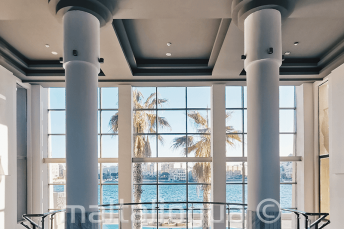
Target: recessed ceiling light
x=168 y=54
x=55 y=53
x=169 y=44
x=47 y=45
x=287 y=53
x=296 y=43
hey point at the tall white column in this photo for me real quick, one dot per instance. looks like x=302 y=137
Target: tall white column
x=218 y=153
x=263 y=31
x=81 y=33
x=125 y=145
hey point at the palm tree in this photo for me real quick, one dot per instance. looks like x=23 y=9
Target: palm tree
x=145 y=121
x=202 y=148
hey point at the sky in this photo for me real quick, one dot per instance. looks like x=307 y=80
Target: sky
x=197 y=97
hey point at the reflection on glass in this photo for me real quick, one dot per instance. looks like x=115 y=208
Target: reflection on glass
x=57 y=146
x=57 y=121
x=145 y=145
x=171 y=121
x=199 y=121
x=110 y=173
x=234 y=97
x=175 y=96
x=57 y=195
x=286 y=145
x=109 y=97
x=324 y=185
x=323 y=120
x=198 y=97
x=109 y=146
x=234 y=121
x=109 y=120
x=57 y=98
x=286 y=123
x=287 y=96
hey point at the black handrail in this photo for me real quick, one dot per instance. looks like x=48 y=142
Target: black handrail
x=42 y=216
x=306 y=215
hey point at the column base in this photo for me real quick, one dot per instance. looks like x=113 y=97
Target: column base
x=257 y=220
x=81 y=221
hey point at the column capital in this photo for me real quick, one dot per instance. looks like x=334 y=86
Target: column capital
x=101 y=9
x=241 y=9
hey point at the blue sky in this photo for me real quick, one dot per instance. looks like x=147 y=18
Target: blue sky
x=197 y=97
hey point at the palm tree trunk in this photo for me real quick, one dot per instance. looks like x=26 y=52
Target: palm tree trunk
x=206 y=198
x=137 y=170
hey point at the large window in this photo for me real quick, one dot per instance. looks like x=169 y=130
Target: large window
x=172 y=127
x=107 y=147
x=236 y=169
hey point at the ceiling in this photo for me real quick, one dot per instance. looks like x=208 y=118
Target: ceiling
x=205 y=44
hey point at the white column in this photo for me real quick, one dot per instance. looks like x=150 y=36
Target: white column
x=81 y=33
x=263 y=31
x=125 y=144
x=304 y=198
x=218 y=153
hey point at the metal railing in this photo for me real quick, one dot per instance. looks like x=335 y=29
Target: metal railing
x=35 y=225
x=308 y=224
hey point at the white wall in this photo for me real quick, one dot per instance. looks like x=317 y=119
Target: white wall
x=336 y=129
x=8 y=150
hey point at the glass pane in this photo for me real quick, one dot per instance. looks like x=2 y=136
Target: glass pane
x=287 y=96
x=199 y=172
x=145 y=145
x=57 y=173
x=198 y=97
x=109 y=146
x=110 y=173
x=57 y=122
x=234 y=97
x=234 y=121
x=199 y=193
x=110 y=194
x=57 y=197
x=323 y=120
x=171 y=97
x=324 y=185
x=234 y=172
x=144 y=97
x=245 y=97
x=199 y=145
x=286 y=145
x=144 y=193
x=145 y=173
x=57 y=98
x=172 y=193
x=171 y=145
x=98 y=146
x=145 y=121
x=57 y=146
x=286 y=196
x=286 y=122
x=172 y=121
x=234 y=145
x=286 y=171
x=109 y=97
x=245 y=145
x=234 y=194
x=98 y=121
x=172 y=172
x=199 y=121
x=106 y=124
